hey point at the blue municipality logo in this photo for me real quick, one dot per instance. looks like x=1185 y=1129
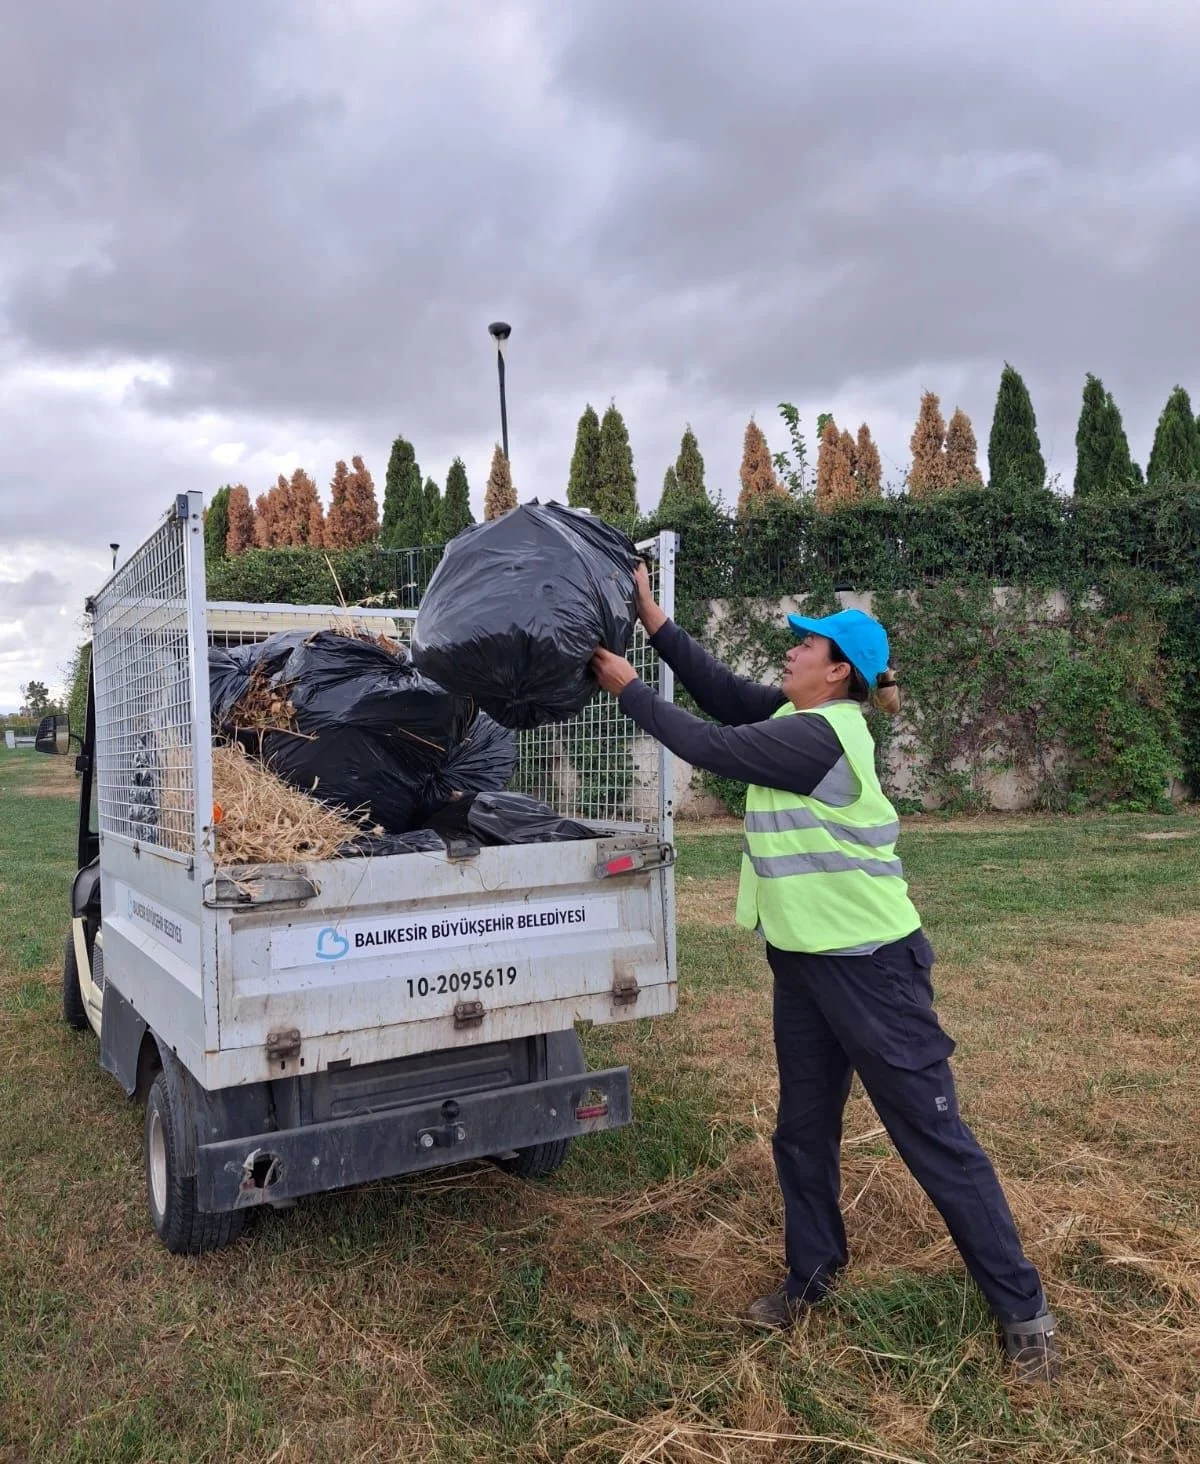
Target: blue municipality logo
x=330 y=945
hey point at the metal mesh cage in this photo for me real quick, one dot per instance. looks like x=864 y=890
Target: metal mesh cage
x=597 y=767
x=145 y=774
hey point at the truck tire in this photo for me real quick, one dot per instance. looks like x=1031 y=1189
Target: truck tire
x=74 y=1012
x=171 y=1192
x=539 y=1161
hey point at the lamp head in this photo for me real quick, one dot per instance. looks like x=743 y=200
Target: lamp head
x=500 y=330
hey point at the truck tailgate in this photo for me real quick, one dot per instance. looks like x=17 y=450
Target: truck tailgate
x=419 y=952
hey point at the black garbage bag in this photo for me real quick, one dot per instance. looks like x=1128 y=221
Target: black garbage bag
x=514 y=818
x=228 y=680
x=418 y=841
x=484 y=760
x=517 y=607
x=367 y=732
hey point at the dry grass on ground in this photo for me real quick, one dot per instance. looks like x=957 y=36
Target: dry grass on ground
x=468 y=1316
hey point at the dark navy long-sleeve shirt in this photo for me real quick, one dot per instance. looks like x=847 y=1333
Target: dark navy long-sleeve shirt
x=751 y=744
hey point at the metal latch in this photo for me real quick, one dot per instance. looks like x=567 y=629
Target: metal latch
x=283 y=1044
x=627 y=861
x=625 y=988
x=468 y=1013
x=227 y=891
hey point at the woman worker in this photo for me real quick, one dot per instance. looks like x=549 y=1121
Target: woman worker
x=852 y=988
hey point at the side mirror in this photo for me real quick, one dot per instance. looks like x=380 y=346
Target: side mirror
x=53 y=734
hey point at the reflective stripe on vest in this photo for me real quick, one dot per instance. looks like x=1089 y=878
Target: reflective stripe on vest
x=779 y=866
x=779 y=820
x=819 y=872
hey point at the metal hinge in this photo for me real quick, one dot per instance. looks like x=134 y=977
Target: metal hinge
x=283 y=1044
x=625 y=988
x=468 y=1013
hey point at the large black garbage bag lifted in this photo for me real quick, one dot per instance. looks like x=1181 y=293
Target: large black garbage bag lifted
x=517 y=607
x=369 y=731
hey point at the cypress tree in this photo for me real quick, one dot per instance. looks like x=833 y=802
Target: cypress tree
x=1123 y=472
x=456 y=506
x=583 y=484
x=616 y=489
x=672 y=500
x=1175 y=456
x=216 y=526
x=1093 y=439
x=1014 y=452
x=689 y=467
x=403 y=498
x=431 y=513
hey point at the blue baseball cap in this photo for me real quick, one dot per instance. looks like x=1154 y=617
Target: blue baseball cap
x=862 y=640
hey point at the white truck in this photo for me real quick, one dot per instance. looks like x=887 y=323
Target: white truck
x=304 y=1027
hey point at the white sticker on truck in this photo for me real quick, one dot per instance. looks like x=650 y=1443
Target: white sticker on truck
x=137 y=914
x=414 y=934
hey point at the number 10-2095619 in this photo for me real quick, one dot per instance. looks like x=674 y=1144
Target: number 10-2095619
x=449 y=982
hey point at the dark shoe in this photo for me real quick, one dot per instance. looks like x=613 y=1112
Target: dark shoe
x=1032 y=1348
x=776 y=1312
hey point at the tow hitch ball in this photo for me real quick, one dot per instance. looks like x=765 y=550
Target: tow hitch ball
x=449 y=1133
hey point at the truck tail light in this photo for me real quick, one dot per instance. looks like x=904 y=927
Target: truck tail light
x=592 y=1110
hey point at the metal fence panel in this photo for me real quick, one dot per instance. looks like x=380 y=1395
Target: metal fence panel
x=147 y=776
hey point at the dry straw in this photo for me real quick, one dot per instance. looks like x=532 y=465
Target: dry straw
x=260 y=820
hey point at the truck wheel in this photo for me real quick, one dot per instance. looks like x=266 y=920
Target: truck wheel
x=182 y=1228
x=539 y=1161
x=74 y=1012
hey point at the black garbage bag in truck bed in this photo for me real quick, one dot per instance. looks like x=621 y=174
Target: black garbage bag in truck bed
x=362 y=728
x=517 y=607
x=507 y=818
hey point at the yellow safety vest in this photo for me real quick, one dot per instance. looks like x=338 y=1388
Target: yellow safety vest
x=819 y=871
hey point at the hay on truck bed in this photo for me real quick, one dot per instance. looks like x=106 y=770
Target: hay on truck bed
x=261 y=820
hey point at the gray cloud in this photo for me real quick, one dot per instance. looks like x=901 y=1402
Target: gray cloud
x=287 y=227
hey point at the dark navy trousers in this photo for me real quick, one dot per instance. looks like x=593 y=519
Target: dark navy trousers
x=835 y=1015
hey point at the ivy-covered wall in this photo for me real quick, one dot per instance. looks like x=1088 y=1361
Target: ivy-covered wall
x=1054 y=640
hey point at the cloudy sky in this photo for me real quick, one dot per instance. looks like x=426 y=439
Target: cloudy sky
x=244 y=235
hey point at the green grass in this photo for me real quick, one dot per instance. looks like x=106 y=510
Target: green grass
x=467 y=1316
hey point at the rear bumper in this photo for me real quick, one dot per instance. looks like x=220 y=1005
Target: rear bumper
x=235 y=1173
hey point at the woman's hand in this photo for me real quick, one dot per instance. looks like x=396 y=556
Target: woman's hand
x=614 y=673
x=647 y=611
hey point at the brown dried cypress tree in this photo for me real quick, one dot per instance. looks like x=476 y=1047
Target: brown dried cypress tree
x=500 y=496
x=241 y=521
x=760 y=482
x=302 y=500
x=361 y=506
x=337 y=525
x=835 y=470
x=868 y=470
x=962 y=464
x=928 y=443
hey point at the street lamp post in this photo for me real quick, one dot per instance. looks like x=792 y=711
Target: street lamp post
x=500 y=331
x=114 y=548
